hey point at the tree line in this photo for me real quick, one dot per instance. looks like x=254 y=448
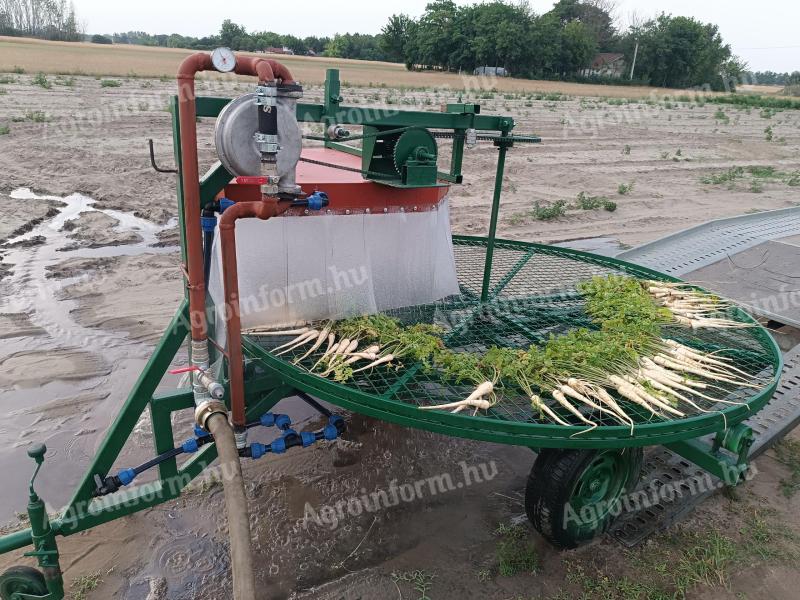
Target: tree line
x=231 y=35
x=46 y=19
x=678 y=52
x=772 y=78
x=672 y=51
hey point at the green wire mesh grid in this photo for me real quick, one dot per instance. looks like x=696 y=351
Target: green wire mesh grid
x=533 y=295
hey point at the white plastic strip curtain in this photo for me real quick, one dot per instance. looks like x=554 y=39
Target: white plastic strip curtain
x=299 y=269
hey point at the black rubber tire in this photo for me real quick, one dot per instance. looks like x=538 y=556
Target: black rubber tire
x=550 y=489
x=22 y=579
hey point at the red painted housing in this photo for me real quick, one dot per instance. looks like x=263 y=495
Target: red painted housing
x=347 y=190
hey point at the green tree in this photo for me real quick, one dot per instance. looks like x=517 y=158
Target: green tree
x=395 y=37
x=578 y=47
x=435 y=38
x=232 y=35
x=680 y=52
x=594 y=14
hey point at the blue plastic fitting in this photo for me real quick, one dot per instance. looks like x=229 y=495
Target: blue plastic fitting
x=330 y=432
x=282 y=421
x=126 y=476
x=288 y=432
x=335 y=420
x=208 y=224
x=200 y=432
x=190 y=446
x=267 y=419
x=258 y=450
x=308 y=438
x=278 y=446
x=317 y=201
x=225 y=203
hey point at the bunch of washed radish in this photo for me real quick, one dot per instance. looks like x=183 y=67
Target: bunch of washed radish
x=690 y=307
x=338 y=357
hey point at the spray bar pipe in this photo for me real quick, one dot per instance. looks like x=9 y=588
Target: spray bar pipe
x=267 y=71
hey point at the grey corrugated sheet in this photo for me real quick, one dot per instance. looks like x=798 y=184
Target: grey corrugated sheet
x=696 y=247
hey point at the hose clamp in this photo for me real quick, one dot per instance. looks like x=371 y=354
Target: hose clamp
x=208 y=408
x=266 y=143
x=266 y=95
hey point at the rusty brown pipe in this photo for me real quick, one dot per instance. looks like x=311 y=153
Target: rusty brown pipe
x=265 y=209
x=266 y=70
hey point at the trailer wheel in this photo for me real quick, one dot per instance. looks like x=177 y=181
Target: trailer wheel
x=572 y=495
x=22 y=580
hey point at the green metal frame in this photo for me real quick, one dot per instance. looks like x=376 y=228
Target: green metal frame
x=279 y=380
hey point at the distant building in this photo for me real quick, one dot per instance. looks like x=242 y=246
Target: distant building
x=274 y=50
x=495 y=71
x=606 y=64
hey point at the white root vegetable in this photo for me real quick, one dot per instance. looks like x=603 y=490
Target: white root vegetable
x=538 y=404
x=257 y=331
x=568 y=390
x=658 y=376
x=609 y=401
x=688 y=368
x=668 y=390
x=484 y=389
x=381 y=361
x=562 y=400
x=331 y=349
x=685 y=353
x=712 y=356
x=347 y=359
x=477 y=403
x=652 y=398
x=586 y=390
x=627 y=391
x=650 y=365
x=320 y=339
x=298 y=341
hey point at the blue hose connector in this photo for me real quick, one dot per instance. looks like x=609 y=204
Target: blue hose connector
x=282 y=421
x=330 y=432
x=308 y=438
x=258 y=450
x=278 y=446
x=126 y=476
x=317 y=201
x=190 y=446
x=225 y=203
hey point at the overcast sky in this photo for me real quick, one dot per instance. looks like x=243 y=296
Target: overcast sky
x=765 y=33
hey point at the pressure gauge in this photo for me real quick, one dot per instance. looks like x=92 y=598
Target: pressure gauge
x=224 y=60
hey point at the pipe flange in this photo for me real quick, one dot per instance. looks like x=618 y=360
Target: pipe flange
x=208 y=408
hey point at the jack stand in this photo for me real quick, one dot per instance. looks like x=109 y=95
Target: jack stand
x=26 y=583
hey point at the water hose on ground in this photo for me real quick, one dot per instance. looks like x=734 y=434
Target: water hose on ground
x=244 y=585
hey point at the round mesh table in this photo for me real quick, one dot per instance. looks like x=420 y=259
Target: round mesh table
x=532 y=295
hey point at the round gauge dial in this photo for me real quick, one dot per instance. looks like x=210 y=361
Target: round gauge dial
x=224 y=59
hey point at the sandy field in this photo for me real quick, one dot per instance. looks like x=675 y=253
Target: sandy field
x=90 y=276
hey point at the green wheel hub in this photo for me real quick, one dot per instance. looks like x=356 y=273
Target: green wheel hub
x=597 y=491
x=572 y=496
x=21 y=580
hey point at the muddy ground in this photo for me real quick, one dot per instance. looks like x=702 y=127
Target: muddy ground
x=91 y=275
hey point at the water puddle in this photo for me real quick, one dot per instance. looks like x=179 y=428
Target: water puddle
x=61 y=382
x=28 y=289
